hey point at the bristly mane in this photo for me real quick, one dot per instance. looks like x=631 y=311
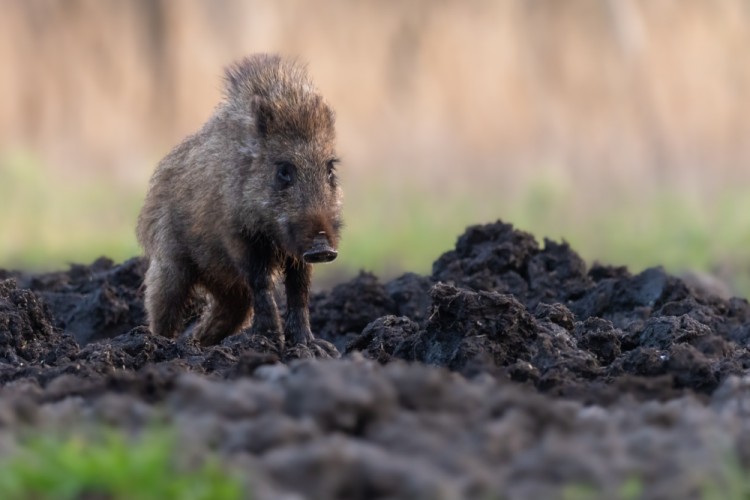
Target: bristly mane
x=280 y=96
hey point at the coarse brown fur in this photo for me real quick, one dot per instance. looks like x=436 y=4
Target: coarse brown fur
x=244 y=198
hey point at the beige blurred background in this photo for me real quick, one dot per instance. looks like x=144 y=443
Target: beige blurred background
x=621 y=126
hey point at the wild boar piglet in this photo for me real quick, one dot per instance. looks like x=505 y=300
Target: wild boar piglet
x=253 y=194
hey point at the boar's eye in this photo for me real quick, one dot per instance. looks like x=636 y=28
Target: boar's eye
x=331 y=171
x=285 y=174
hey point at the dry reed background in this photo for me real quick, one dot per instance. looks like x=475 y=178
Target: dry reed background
x=476 y=109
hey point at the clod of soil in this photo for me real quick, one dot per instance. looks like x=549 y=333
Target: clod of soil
x=512 y=370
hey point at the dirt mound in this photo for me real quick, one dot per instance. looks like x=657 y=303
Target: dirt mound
x=527 y=372
x=502 y=305
x=93 y=302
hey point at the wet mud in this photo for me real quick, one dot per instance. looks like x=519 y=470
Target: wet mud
x=513 y=370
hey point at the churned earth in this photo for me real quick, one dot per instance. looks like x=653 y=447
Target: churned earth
x=512 y=371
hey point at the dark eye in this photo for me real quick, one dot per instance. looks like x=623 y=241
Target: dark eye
x=285 y=174
x=331 y=171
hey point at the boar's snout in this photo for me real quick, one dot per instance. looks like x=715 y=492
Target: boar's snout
x=320 y=251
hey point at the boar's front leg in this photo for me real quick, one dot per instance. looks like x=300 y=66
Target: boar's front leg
x=259 y=273
x=297 y=281
x=266 y=319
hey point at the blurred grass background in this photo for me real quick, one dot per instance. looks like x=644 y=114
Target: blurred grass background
x=621 y=126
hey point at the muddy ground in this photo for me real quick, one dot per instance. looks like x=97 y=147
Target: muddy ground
x=512 y=371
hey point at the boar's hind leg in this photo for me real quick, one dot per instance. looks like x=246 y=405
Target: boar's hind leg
x=168 y=288
x=297 y=283
x=226 y=312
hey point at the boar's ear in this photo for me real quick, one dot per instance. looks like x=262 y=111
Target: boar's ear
x=262 y=115
x=238 y=79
